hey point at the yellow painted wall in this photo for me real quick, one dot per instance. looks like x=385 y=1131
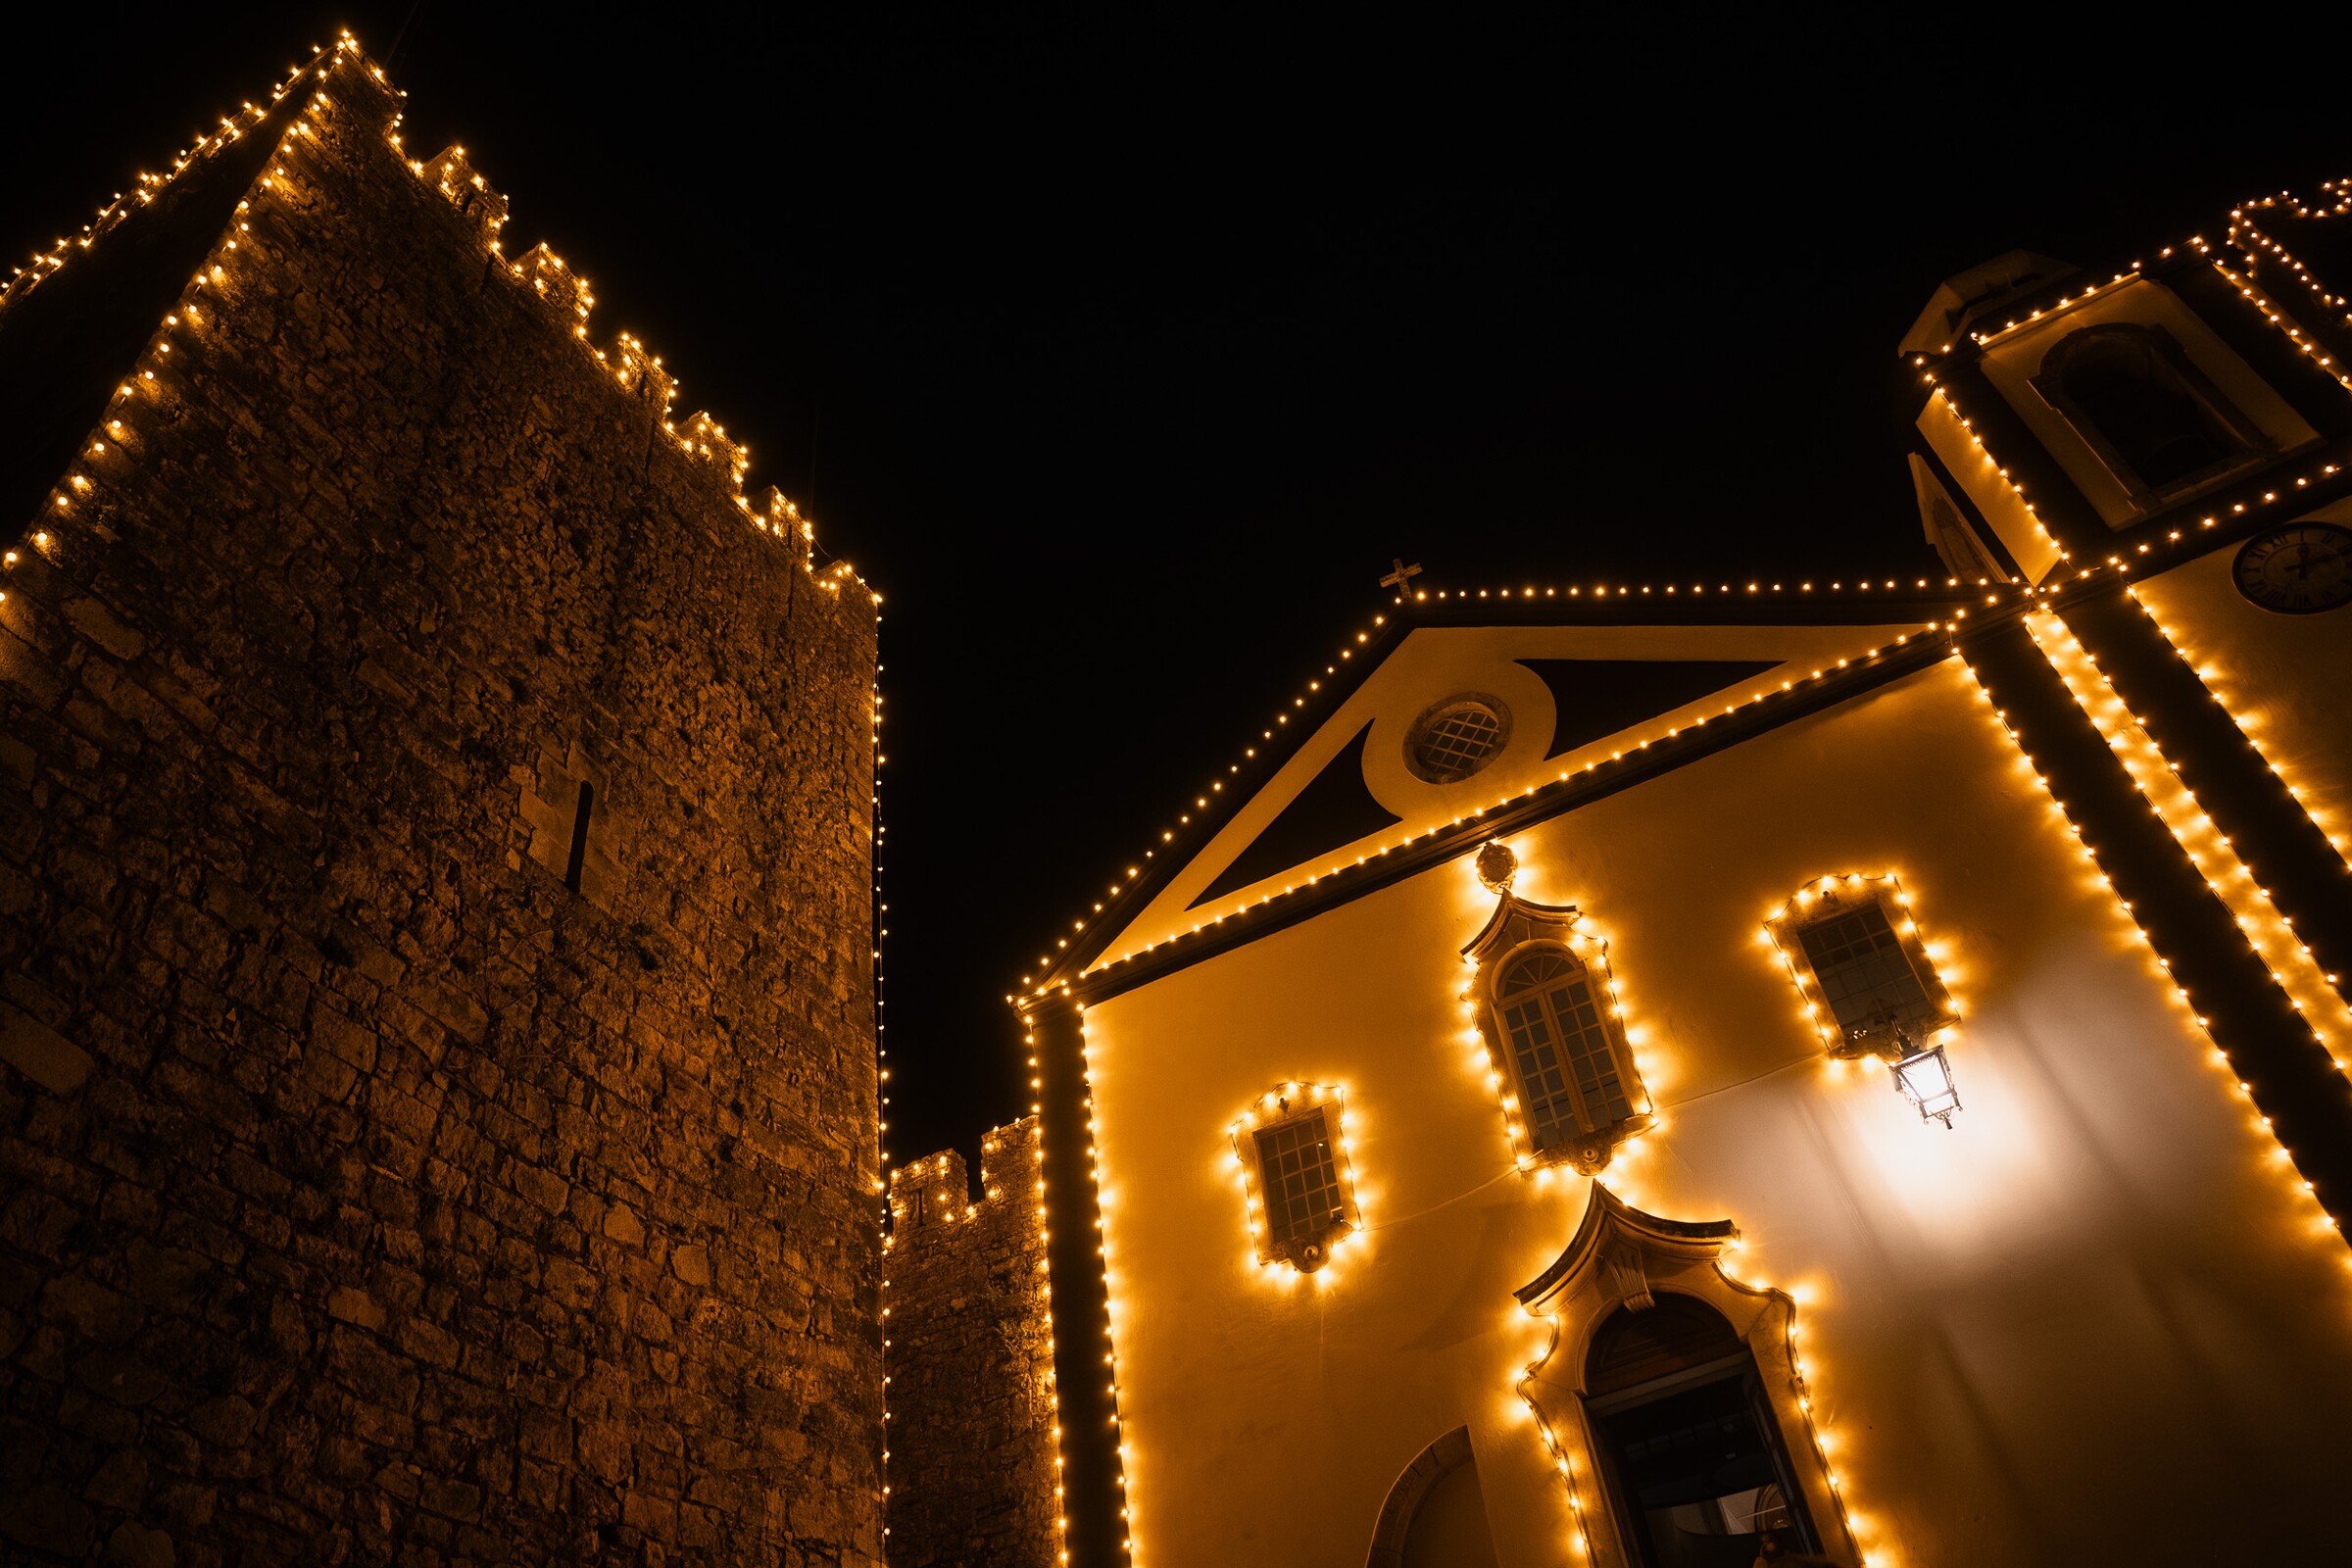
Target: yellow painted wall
x=2096 y=1322
x=2282 y=677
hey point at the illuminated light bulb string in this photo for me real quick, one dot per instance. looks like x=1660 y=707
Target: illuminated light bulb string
x=1281 y=1103
x=1110 y=1379
x=2212 y=680
x=2064 y=302
x=1044 y=1287
x=2012 y=592
x=703 y=438
x=233 y=127
x=2179 y=996
x=2124 y=565
x=116 y=428
x=2268 y=932
x=881 y=930
x=1779 y=933
x=2247 y=235
x=1039 y=983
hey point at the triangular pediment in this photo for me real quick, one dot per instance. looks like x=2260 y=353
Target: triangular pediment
x=1551 y=700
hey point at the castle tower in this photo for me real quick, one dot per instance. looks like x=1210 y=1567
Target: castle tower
x=439 y=1116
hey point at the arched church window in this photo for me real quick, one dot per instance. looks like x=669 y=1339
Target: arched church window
x=1693 y=1459
x=1571 y=1090
x=1294 y=1157
x=2154 y=419
x=1573 y=1076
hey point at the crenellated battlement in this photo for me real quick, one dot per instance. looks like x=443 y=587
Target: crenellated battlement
x=470 y=194
x=935 y=1190
x=564 y=292
x=640 y=374
x=705 y=437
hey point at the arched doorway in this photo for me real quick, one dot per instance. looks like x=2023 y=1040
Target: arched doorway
x=1696 y=1467
x=1435 y=1515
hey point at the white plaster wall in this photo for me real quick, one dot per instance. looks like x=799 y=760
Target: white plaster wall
x=2097 y=1322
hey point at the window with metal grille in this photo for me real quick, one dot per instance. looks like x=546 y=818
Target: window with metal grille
x=1300 y=1178
x=1864 y=974
x=1456 y=739
x=1570 y=1078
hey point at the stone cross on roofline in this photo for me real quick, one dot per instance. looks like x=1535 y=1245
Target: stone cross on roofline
x=1401 y=577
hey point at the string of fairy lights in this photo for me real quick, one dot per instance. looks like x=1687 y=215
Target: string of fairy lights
x=1045 y=1239
x=2322 y=1223
x=2215 y=683
x=2243 y=228
x=1838 y=894
x=1572 y=932
x=1287 y=1102
x=2268 y=931
x=1039 y=983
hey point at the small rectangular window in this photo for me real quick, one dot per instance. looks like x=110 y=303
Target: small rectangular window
x=1300 y=1177
x=1867 y=979
x=1864 y=974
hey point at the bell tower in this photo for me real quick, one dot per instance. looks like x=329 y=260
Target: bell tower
x=2069 y=417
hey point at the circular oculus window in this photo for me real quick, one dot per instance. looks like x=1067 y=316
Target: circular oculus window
x=1456 y=738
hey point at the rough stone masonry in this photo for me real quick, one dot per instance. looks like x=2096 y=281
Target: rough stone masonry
x=970 y=1358
x=438 y=1078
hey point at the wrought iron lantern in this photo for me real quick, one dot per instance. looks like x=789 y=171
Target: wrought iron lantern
x=1926 y=1079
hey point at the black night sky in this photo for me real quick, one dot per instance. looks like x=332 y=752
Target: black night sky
x=1121 y=352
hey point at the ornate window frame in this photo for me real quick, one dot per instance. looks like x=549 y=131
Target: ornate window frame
x=1623 y=1258
x=1282 y=1105
x=1519 y=927
x=1826 y=899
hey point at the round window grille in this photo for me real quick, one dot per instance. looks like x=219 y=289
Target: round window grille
x=1456 y=738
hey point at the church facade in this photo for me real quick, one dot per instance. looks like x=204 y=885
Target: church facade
x=1701 y=1072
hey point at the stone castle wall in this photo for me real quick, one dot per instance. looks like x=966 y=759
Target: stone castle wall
x=970 y=1363
x=390 y=1167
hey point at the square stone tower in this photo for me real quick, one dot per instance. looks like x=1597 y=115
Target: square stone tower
x=438 y=1116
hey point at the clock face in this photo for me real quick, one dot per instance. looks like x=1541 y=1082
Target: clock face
x=2299 y=570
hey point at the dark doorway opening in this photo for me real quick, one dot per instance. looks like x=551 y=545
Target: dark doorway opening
x=1697 y=1472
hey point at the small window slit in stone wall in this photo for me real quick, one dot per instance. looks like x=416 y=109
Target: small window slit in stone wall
x=579 y=839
